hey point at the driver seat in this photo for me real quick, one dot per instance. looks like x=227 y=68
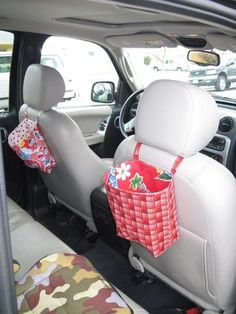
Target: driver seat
x=79 y=170
x=175 y=118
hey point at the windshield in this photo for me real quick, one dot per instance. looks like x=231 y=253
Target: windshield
x=148 y=65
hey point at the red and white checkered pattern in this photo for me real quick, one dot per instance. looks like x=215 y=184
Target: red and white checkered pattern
x=147 y=218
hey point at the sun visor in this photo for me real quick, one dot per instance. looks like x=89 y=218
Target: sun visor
x=222 y=42
x=144 y=40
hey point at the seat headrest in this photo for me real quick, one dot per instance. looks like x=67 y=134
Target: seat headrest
x=176 y=117
x=43 y=87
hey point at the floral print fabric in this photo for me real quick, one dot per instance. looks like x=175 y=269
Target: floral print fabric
x=28 y=143
x=138 y=176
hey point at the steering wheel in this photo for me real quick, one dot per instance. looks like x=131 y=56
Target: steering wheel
x=128 y=127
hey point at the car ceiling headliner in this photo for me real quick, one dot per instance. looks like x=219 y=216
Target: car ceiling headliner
x=96 y=20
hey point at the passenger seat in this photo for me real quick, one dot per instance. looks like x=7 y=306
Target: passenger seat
x=52 y=276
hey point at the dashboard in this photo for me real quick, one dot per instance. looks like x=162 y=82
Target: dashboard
x=222 y=146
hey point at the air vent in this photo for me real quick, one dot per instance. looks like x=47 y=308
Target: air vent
x=226 y=124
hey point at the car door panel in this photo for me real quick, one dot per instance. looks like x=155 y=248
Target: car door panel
x=15 y=173
x=14 y=167
x=92 y=121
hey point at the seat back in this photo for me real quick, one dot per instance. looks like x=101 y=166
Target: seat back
x=175 y=118
x=79 y=170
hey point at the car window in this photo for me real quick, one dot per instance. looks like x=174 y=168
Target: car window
x=149 y=64
x=81 y=64
x=51 y=61
x=6 y=47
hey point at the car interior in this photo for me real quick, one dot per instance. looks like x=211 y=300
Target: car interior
x=123 y=90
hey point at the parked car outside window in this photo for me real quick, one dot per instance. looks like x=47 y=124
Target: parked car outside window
x=220 y=77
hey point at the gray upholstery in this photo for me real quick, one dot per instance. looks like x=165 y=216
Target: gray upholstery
x=43 y=87
x=176 y=117
x=17 y=216
x=201 y=265
x=108 y=161
x=79 y=170
x=31 y=242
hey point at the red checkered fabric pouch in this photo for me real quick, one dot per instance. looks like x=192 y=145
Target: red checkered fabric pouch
x=142 y=200
x=28 y=143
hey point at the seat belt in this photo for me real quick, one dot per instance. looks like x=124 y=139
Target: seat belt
x=7 y=289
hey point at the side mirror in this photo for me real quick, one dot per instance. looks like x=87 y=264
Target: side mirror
x=103 y=92
x=202 y=57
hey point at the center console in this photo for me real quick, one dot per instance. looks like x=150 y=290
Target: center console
x=104 y=221
x=218 y=148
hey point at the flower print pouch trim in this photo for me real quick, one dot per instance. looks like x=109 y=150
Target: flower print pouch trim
x=138 y=176
x=28 y=143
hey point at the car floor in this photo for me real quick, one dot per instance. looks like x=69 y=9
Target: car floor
x=155 y=297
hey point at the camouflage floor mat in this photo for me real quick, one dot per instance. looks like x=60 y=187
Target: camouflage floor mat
x=67 y=283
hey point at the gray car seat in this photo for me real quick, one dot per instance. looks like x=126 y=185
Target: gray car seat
x=175 y=118
x=79 y=170
x=31 y=242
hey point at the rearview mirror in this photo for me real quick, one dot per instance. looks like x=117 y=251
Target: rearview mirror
x=201 y=57
x=103 y=92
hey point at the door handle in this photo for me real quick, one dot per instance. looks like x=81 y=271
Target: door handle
x=4 y=134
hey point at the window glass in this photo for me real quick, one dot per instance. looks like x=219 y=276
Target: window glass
x=6 y=47
x=81 y=64
x=149 y=64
